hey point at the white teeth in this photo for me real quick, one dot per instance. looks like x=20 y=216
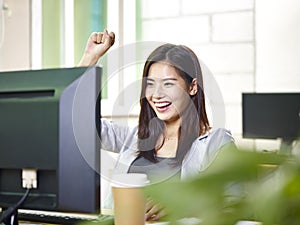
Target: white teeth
x=161 y=104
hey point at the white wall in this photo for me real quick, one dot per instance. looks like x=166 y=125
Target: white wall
x=15 y=35
x=278 y=45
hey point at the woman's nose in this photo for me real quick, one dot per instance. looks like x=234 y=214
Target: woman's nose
x=158 y=92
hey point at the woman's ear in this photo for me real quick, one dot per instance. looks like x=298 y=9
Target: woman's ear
x=193 y=87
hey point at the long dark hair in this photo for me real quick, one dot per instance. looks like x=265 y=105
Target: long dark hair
x=194 y=117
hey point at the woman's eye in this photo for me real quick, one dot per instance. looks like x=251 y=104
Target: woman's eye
x=168 y=84
x=149 y=84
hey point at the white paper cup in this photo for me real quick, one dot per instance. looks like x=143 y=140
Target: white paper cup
x=129 y=198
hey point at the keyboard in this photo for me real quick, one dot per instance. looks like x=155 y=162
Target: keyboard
x=63 y=218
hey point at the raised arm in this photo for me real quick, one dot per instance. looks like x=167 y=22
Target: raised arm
x=96 y=46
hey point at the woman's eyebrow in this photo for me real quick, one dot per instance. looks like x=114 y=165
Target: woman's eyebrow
x=165 y=79
x=169 y=79
x=149 y=79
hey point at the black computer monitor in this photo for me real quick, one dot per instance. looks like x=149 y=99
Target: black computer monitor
x=48 y=121
x=271 y=116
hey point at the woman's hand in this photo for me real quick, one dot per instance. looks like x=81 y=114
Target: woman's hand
x=97 y=44
x=154 y=211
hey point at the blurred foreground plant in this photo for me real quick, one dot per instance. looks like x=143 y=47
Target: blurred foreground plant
x=238 y=185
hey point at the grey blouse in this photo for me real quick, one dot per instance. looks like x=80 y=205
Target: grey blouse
x=123 y=140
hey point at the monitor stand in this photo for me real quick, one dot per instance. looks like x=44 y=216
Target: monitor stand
x=286 y=147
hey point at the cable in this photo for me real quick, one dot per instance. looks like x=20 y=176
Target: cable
x=29 y=181
x=13 y=209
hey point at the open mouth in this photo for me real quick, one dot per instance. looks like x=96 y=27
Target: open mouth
x=162 y=106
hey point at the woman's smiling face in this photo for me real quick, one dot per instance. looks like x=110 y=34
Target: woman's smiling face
x=167 y=92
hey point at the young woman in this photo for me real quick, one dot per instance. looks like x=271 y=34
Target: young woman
x=173 y=139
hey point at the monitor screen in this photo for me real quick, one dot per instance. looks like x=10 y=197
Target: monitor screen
x=48 y=122
x=271 y=115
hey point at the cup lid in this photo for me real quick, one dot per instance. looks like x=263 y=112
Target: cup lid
x=129 y=180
